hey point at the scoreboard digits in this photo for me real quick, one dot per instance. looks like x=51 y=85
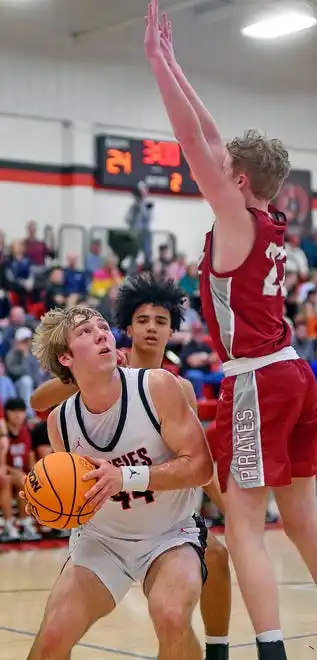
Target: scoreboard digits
x=122 y=162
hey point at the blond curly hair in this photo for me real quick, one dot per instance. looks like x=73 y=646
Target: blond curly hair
x=51 y=338
x=265 y=162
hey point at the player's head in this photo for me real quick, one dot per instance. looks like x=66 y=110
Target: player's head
x=259 y=165
x=15 y=412
x=75 y=344
x=149 y=310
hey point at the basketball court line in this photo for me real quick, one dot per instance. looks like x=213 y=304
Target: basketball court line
x=137 y=656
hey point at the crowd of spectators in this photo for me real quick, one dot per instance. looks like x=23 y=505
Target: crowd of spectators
x=32 y=281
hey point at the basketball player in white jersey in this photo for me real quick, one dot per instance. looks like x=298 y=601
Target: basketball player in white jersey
x=150 y=453
x=149 y=310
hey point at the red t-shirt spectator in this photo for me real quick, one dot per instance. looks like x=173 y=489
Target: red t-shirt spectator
x=20 y=445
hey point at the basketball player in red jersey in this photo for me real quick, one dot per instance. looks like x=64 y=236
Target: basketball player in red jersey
x=267 y=413
x=149 y=310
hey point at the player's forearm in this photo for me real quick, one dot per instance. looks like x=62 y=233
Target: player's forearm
x=182 y=116
x=207 y=123
x=181 y=473
x=51 y=394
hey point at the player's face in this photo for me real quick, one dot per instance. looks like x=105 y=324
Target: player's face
x=92 y=347
x=151 y=328
x=16 y=417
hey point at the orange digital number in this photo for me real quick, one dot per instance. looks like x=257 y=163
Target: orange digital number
x=164 y=154
x=176 y=181
x=118 y=161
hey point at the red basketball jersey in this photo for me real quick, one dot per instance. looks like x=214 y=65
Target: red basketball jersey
x=19 y=450
x=244 y=308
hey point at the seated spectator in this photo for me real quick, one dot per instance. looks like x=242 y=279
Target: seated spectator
x=181 y=337
x=55 y=295
x=302 y=343
x=106 y=277
x=189 y=282
x=18 y=273
x=7 y=389
x=75 y=284
x=23 y=367
x=106 y=305
x=17 y=319
x=17 y=461
x=35 y=249
x=200 y=365
x=177 y=268
x=296 y=257
x=94 y=258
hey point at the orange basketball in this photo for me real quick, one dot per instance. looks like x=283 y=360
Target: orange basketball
x=55 y=491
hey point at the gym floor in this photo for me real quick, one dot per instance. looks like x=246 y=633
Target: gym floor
x=26 y=578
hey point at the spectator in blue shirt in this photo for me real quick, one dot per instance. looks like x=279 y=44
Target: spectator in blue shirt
x=75 y=282
x=94 y=259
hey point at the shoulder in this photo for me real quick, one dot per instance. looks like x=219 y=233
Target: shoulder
x=189 y=392
x=159 y=378
x=166 y=391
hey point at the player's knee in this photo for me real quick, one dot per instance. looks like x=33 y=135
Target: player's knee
x=55 y=633
x=51 y=639
x=170 y=620
x=217 y=557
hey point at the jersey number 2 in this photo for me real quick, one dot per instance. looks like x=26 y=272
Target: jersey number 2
x=125 y=498
x=274 y=282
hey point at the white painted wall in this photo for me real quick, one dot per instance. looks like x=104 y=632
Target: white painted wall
x=39 y=95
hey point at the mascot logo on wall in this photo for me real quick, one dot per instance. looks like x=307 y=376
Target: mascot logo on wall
x=295 y=200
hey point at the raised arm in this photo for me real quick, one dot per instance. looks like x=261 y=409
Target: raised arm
x=236 y=235
x=51 y=394
x=207 y=123
x=182 y=432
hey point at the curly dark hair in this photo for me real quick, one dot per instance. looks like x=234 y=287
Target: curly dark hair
x=146 y=289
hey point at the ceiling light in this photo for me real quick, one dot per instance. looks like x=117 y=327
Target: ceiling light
x=280 y=26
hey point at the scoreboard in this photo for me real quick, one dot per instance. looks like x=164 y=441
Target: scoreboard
x=122 y=162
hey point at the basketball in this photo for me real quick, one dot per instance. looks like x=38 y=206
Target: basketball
x=55 y=491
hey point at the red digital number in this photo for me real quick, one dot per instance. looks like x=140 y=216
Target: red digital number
x=118 y=161
x=164 y=154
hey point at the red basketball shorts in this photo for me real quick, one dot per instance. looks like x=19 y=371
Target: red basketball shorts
x=267 y=426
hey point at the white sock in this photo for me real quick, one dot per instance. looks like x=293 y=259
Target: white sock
x=217 y=640
x=270 y=636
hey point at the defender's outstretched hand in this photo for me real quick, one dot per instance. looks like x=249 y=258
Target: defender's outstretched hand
x=166 y=40
x=152 y=43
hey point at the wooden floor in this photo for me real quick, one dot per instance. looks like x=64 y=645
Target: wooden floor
x=127 y=634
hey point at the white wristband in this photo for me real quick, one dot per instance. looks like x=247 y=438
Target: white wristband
x=136 y=477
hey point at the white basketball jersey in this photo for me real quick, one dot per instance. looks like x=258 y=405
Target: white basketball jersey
x=127 y=434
